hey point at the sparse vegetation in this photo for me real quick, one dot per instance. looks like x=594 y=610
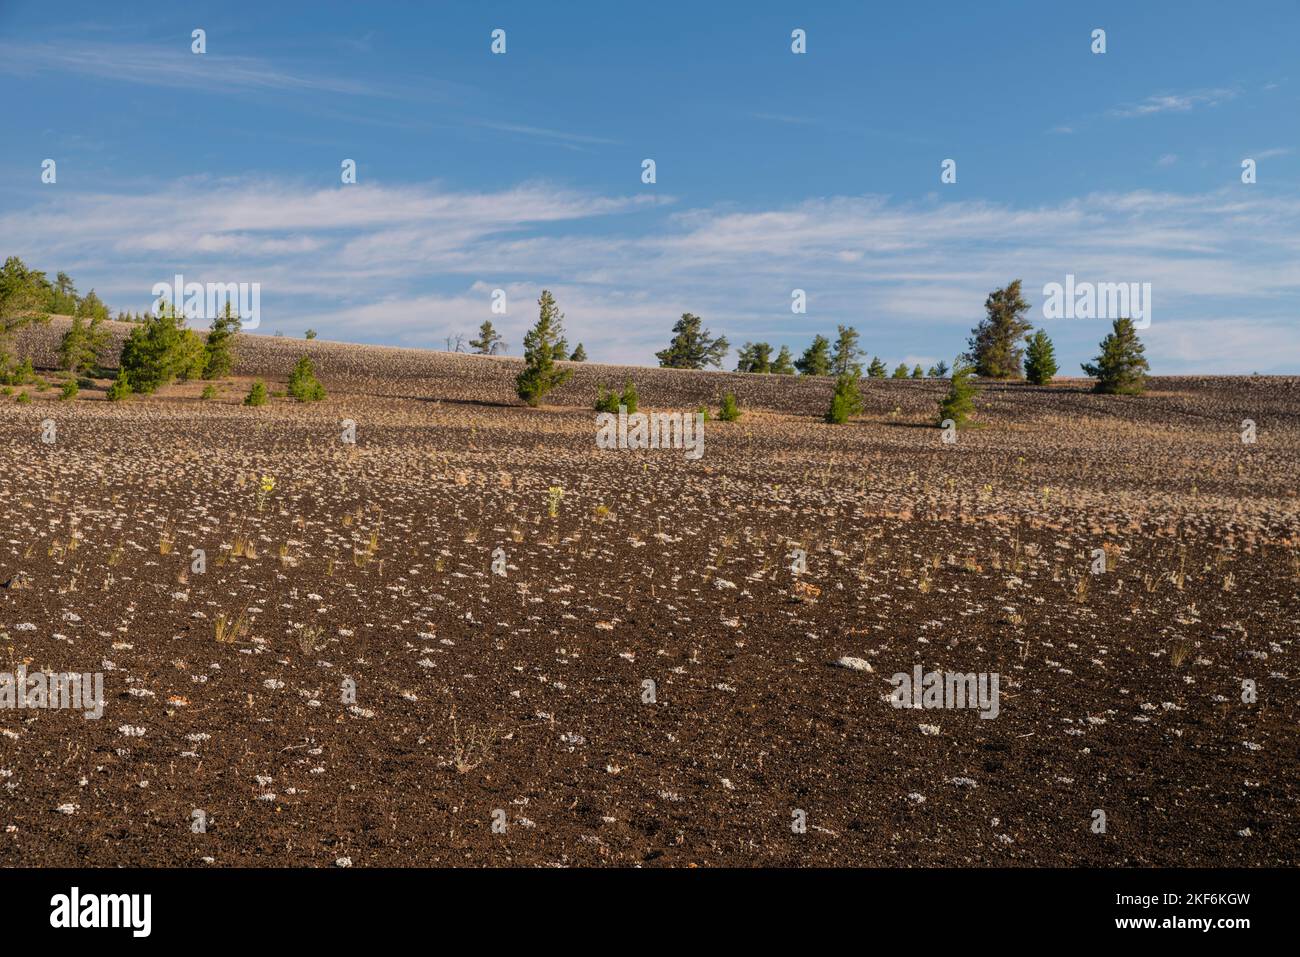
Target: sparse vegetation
x=307 y=585
x=231 y=627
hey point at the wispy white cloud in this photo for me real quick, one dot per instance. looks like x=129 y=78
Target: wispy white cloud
x=175 y=67
x=785 y=118
x=543 y=133
x=409 y=264
x=1175 y=102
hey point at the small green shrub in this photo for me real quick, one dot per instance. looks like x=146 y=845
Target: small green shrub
x=209 y=392
x=257 y=394
x=303 y=384
x=629 y=397
x=20 y=374
x=23 y=398
x=729 y=411
x=846 y=401
x=120 y=389
x=607 y=400
x=70 y=390
x=959 y=404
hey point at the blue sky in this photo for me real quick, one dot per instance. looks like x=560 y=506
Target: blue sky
x=775 y=171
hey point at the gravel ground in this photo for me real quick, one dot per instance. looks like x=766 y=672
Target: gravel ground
x=649 y=681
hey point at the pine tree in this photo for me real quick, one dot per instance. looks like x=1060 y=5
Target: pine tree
x=218 y=351
x=783 y=365
x=692 y=346
x=160 y=350
x=579 y=354
x=629 y=397
x=257 y=394
x=607 y=400
x=74 y=346
x=1121 y=368
x=303 y=384
x=846 y=401
x=959 y=403
x=120 y=389
x=877 y=368
x=917 y=373
x=91 y=306
x=844 y=360
x=900 y=371
x=728 y=411
x=488 y=342
x=938 y=370
x=63 y=299
x=540 y=375
x=816 y=359
x=755 y=357
x=23 y=296
x=1040 y=359
x=993 y=346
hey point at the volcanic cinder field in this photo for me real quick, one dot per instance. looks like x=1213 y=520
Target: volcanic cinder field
x=1160 y=691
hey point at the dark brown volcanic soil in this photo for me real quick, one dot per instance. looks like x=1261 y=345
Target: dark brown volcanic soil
x=523 y=693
